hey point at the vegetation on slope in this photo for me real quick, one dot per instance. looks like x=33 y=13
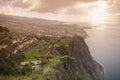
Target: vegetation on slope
x=46 y=58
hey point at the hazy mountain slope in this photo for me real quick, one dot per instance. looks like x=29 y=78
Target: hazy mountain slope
x=39 y=26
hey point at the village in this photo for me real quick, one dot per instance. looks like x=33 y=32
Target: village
x=36 y=50
x=19 y=43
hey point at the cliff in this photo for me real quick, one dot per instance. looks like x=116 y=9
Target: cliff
x=46 y=58
x=76 y=62
x=79 y=65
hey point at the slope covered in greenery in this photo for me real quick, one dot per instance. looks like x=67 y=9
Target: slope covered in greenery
x=46 y=58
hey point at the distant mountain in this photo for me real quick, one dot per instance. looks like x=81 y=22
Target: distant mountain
x=39 y=26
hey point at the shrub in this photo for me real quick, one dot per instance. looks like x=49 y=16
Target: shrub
x=48 y=71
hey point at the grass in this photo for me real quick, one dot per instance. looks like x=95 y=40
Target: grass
x=36 y=76
x=33 y=76
x=33 y=53
x=52 y=62
x=8 y=77
x=14 y=36
x=49 y=72
x=82 y=76
x=64 y=40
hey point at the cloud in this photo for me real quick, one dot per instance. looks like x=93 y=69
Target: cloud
x=81 y=8
x=57 y=7
x=114 y=7
x=46 y=6
x=6 y=10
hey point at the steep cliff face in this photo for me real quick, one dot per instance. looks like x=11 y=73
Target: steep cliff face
x=77 y=63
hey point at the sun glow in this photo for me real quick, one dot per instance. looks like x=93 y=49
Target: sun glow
x=99 y=12
x=25 y=1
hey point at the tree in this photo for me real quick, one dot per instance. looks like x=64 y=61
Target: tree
x=9 y=62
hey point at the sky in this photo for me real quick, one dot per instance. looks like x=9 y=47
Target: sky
x=63 y=10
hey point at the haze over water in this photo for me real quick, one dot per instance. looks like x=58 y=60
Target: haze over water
x=104 y=44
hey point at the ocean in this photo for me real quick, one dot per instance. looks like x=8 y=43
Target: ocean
x=104 y=44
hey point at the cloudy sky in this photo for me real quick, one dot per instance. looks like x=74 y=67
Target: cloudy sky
x=65 y=10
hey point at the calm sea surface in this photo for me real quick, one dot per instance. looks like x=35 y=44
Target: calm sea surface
x=104 y=44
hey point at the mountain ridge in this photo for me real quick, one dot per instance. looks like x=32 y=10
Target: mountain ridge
x=40 y=26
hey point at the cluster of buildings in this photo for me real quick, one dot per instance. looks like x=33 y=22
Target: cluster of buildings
x=23 y=43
